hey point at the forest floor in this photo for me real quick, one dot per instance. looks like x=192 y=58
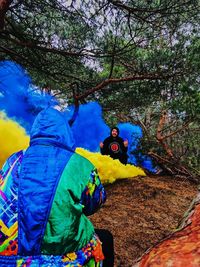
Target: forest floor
x=141 y=211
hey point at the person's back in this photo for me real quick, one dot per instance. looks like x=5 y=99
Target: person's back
x=47 y=190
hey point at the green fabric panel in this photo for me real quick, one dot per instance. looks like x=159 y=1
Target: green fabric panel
x=68 y=229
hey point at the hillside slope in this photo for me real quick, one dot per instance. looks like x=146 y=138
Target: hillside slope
x=141 y=211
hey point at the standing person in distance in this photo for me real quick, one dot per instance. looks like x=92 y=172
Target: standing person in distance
x=115 y=146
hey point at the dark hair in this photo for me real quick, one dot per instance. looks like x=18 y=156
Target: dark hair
x=116 y=128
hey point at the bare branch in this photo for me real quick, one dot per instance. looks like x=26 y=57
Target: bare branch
x=154 y=76
x=163 y=10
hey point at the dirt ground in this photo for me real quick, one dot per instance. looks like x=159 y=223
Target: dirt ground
x=141 y=211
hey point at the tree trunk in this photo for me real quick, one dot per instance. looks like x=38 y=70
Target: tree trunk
x=160 y=137
x=4 y=6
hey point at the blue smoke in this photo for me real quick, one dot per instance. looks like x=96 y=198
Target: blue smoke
x=19 y=99
x=89 y=129
x=133 y=133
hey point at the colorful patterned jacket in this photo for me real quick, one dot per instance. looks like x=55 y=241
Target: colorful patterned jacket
x=46 y=194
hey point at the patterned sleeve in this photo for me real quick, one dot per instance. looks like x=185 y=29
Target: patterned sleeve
x=93 y=195
x=10 y=164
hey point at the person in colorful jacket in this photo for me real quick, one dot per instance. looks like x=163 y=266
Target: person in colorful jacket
x=46 y=194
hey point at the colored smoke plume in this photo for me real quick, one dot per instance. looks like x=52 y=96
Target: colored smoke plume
x=12 y=138
x=19 y=98
x=110 y=170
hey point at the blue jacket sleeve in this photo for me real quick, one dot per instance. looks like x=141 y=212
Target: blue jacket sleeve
x=93 y=195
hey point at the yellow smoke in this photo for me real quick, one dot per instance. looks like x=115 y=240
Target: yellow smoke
x=109 y=170
x=12 y=138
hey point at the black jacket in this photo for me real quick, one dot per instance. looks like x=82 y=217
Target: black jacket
x=114 y=146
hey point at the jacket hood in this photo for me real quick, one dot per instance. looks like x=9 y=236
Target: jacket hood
x=51 y=126
x=116 y=128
